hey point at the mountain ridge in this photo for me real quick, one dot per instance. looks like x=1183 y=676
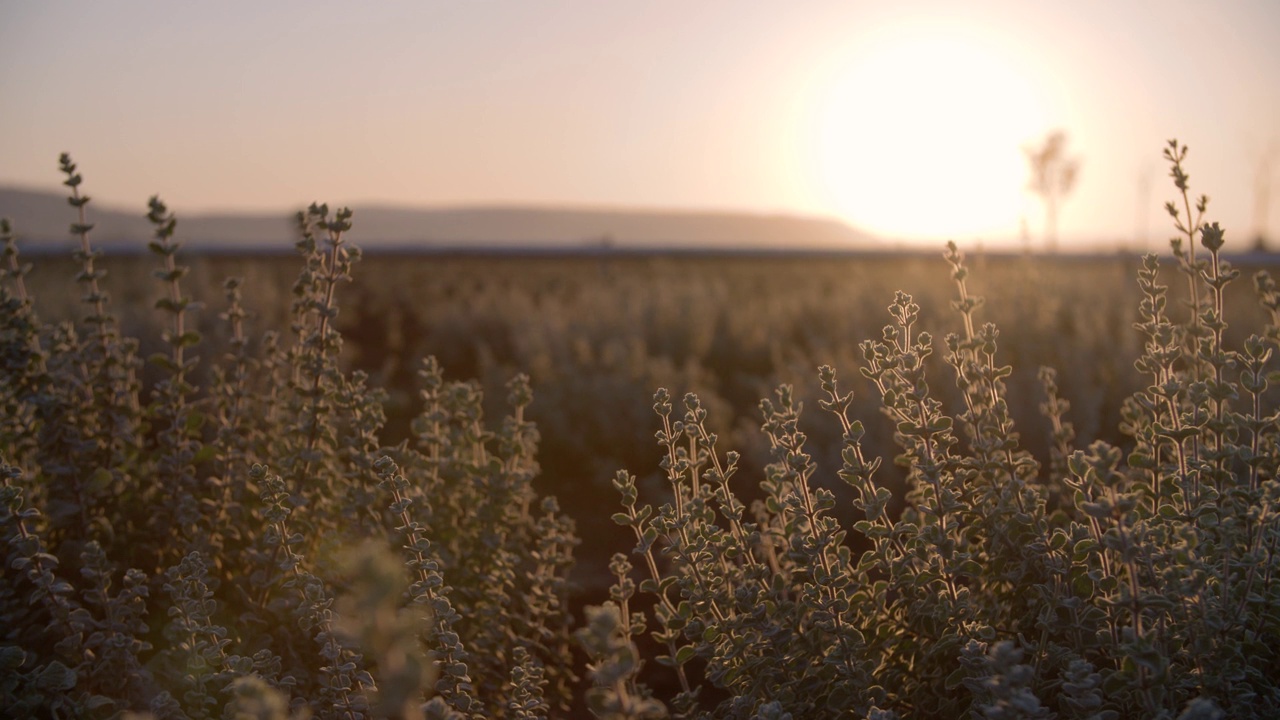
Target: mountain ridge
x=41 y=218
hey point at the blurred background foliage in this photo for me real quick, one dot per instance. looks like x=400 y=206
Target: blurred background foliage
x=598 y=333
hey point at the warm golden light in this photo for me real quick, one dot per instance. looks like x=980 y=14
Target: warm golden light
x=920 y=135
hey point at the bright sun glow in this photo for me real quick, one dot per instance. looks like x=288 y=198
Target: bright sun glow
x=920 y=136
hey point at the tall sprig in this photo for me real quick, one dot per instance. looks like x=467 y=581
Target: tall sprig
x=177 y=423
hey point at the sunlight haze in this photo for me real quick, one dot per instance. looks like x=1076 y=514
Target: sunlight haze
x=914 y=133
x=907 y=120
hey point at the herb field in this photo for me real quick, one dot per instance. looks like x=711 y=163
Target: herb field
x=518 y=486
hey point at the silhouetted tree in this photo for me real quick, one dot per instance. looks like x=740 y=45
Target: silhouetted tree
x=1262 y=197
x=1053 y=175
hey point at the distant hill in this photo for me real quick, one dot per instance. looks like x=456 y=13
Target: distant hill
x=41 y=219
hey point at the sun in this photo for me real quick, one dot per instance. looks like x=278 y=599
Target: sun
x=919 y=136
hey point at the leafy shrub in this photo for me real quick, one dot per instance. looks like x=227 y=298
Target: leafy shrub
x=1135 y=582
x=597 y=335
x=237 y=535
x=178 y=549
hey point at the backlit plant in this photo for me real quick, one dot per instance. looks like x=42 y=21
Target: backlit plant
x=228 y=529
x=177 y=548
x=1136 y=582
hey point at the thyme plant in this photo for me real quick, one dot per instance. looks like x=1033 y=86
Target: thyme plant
x=1135 y=581
x=224 y=531
x=173 y=534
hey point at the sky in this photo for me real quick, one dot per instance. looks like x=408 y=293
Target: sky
x=906 y=119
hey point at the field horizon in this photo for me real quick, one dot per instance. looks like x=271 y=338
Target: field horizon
x=39 y=215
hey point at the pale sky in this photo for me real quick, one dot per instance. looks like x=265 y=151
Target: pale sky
x=906 y=119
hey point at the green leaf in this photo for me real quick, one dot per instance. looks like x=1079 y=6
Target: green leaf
x=1141 y=460
x=648 y=537
x=685 y=654
x=163 y=361
x=11 y=658
x=956 y=677
x=205 y=454
x=1085 y=547
x=883 y=495
x=56 y=677
x=1114 y=683
x=1100 y=510
x=98 y=701
x=940 y=424
x=1207 y=517
x=1077 y=464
